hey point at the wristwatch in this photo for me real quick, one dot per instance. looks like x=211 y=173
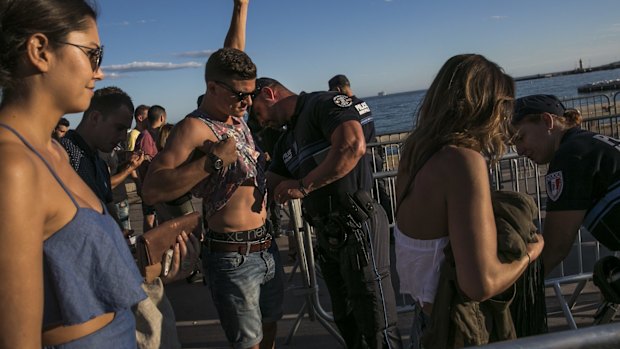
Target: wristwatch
x=302 y=188
x=216 y=163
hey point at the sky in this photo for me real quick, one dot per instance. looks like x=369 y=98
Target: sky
x=155 y=50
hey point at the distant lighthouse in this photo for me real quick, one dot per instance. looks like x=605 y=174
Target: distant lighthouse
x=580 y=65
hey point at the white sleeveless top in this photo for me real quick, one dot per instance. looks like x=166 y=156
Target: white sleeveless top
x=417 y=265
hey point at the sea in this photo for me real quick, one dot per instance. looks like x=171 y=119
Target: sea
x=395 y=112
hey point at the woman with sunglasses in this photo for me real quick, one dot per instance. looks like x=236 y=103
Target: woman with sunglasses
x=68 y=279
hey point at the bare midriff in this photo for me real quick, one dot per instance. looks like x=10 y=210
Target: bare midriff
x=244 y=211
x=63 y=334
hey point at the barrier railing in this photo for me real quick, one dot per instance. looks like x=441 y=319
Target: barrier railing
x=591 y=106
x=595 y=337
x=310 y=286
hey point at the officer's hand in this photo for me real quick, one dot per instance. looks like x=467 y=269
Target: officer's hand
x=287 y=190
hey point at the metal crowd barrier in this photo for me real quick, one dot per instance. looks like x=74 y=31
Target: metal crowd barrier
x=594 y=337
x=310 y=286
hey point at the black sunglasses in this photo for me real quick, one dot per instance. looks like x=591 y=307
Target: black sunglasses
x=241 y=96
x=95 y=55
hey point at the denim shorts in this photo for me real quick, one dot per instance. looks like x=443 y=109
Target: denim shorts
x=247 y=291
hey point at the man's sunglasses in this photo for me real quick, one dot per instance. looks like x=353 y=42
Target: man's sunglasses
x=241 y=96
x=95 y=55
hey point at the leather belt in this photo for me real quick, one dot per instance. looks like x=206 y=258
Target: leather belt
x=239 y=247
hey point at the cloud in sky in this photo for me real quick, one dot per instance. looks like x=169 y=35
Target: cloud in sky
x=112 y=76
x=195 y=54
x=127 y=23
x=498 y=18
x=149 y=66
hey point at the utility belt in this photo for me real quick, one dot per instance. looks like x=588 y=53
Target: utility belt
x=344 y=226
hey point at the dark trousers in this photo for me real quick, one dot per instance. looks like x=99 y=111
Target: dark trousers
x=360 y=287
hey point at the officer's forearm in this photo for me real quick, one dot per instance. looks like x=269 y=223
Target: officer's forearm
x=337 y=164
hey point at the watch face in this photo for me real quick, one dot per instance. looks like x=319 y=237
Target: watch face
x=218 y=164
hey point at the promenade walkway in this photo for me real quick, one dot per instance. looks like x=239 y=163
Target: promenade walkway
x=198 y=325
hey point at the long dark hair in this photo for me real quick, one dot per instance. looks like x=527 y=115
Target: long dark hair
x=19 y=19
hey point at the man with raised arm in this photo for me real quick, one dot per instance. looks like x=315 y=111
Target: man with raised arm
x=211 y=152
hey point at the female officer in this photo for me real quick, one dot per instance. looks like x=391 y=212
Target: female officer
x=583 y=180
x=68 y=279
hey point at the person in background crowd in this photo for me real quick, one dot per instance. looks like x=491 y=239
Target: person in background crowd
x=103 y=126
x=321 y=159
x=164 y=132
x=140 y=116
x=340 y=83
x=583 y=177
x=55 y=231
x=146 y=144
x=61 y=129
x=211 y=152
x=120 y=169
x=435 y=206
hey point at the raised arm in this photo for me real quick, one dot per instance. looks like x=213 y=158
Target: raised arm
x=235 y=38
x=472 y=230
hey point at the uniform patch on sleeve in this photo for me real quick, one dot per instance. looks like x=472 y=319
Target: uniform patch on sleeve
x=555 y=184
x=343 y=101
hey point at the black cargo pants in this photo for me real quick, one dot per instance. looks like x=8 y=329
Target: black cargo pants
x=355 y=264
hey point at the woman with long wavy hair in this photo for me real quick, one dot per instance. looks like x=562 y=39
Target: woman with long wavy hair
x=443 y=188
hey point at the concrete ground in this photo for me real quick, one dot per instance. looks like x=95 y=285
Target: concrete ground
x=198 y=325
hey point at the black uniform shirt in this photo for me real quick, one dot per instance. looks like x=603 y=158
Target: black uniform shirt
x=585 y=175
x=306 y=143
x=582 y=169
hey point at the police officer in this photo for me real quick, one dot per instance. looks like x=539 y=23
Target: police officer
x=340 y=83
x=583 y=180
x=318 y=160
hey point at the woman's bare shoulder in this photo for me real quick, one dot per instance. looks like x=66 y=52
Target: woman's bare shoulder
x=451 y=160
x=20 y=174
